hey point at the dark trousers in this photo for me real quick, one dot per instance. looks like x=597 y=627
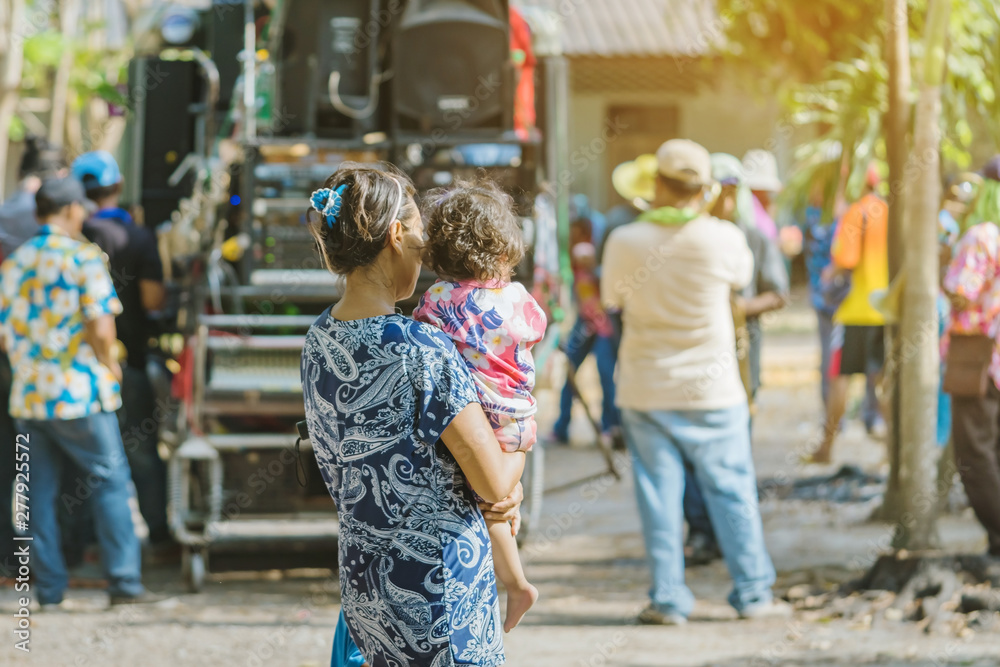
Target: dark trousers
x=8 y=433
x=975 y=430
x=582 y=341
x=141 y=435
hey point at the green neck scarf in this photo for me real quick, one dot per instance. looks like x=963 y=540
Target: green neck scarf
x=670 y=216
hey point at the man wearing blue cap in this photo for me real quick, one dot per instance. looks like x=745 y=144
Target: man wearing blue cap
x=138 y=276
x=57 y=308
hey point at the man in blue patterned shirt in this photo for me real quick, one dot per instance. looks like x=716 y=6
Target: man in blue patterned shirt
x=57 y=310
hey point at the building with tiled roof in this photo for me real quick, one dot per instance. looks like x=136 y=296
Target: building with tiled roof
x=642 y=72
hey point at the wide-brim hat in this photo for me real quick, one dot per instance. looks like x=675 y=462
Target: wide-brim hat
x=636 y=179
x=760 y=171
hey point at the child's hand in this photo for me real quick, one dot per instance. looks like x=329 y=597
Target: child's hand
x=515 y=523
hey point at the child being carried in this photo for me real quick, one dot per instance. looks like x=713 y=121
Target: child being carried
x=474 y=244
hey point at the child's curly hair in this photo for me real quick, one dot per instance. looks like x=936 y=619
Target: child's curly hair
x=472 y=232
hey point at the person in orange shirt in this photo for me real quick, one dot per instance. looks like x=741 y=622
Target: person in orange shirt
x=860 y=248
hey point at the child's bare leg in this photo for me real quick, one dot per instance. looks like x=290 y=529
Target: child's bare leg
x=520 y=594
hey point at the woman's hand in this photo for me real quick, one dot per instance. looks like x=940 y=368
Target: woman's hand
x=508 y=509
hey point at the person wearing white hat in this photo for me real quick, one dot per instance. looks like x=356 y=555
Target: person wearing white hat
x=768 y=291
x=670 y=274
x=760 y=170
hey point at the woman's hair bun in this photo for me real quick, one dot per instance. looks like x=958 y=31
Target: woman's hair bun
x=368 y=197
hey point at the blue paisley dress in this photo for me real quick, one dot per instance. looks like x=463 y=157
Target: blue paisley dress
x=416 y=570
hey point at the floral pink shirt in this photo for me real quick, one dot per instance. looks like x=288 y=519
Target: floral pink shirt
x=974 y=273
x=494 y=326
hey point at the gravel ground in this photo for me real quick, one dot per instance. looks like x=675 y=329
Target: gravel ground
x=587 y=560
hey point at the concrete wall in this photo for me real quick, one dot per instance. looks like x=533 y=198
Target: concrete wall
x=723 y=119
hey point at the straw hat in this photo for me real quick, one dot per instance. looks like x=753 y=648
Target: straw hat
x=636 y=179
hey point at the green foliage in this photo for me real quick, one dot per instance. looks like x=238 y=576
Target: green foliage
x=797 y=39
x=42 y=52
x=848 y=106
x=986 y=206
x=94 y=73
x=44 y=49
x=973 y=72
x=17 y=131
x=823 y=57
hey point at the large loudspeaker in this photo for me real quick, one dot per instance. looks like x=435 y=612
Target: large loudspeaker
x=452 y=67
x=224 y=42
x=329 y=72
x=163 y=93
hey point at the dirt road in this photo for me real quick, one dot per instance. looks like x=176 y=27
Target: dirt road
x=587 y=560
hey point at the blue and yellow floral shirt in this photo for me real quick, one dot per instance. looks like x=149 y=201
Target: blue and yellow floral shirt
x=48 y=288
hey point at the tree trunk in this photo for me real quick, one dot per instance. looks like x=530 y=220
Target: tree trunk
x=920 y=361
x=898 y=117
x=69 y=14
x=12 y=46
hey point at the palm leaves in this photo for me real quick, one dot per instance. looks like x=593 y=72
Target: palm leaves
x=847 y=106
x=832 y=78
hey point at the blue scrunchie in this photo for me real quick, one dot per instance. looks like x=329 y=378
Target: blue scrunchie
x=329 y=202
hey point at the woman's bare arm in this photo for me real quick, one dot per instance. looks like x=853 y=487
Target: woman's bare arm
x=490 y=471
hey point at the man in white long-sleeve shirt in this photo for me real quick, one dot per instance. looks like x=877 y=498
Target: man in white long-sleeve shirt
x=671 y=273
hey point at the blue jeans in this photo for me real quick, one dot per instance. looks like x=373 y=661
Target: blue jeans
x=943 y=413
x=716 y=444
x=582 y=341
x=140 y=435
x=695 y=510
x=94 y=443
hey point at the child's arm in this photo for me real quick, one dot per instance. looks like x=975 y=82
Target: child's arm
x=535 y=320
x=517 y=435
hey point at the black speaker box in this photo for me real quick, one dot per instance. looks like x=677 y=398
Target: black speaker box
x=163 y=93
x=330 y=66
x=451 y=67
x=224 y=42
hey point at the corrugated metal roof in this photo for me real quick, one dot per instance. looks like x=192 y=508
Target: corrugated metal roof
x=635 y=27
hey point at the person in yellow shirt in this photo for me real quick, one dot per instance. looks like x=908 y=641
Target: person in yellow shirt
x=860 y=248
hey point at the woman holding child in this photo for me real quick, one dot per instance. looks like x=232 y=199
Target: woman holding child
x=405 y=428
